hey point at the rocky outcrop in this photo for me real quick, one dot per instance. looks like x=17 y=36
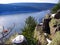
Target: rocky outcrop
x=46 y=27
x=49 y=25
x=54 y=27
x=39 y=35
x=54 y=23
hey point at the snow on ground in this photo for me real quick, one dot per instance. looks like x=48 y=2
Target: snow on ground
x=49 y=41
x=53 y=15
x=18 y=39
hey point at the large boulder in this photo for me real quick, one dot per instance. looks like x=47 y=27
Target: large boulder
x=39 y=35
x=54 y=25
x=46 y=21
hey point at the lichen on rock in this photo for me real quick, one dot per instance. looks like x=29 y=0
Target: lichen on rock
x=39 y=36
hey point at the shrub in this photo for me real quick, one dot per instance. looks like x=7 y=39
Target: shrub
x=55 y=8
x=28 y=30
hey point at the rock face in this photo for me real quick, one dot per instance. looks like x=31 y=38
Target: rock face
x=46 y=26
x=54 y=28
x=46 y=21
x=54 y=23
x=38 y=34
x=49 y=25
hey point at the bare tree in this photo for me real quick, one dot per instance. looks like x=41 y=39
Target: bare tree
x=6 y=34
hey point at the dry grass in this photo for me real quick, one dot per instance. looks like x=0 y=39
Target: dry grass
x=8 y=41
x=56 y=39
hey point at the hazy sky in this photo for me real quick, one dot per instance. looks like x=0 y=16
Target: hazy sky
x=20 y=1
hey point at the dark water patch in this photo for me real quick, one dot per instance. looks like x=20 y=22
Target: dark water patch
x=16 y=8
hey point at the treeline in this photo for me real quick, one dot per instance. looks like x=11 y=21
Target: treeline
x=55 y=8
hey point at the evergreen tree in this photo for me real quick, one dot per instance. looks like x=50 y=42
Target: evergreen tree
x=28 y=30
x=55 y=8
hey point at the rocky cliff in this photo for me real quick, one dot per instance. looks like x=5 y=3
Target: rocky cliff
x=39 y=35
x=49 y=26
x=55 y=23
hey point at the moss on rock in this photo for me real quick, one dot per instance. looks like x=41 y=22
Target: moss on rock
x=56 y=39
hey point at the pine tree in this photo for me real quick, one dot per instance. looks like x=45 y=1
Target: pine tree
x=28 y=30
x=55 y=8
